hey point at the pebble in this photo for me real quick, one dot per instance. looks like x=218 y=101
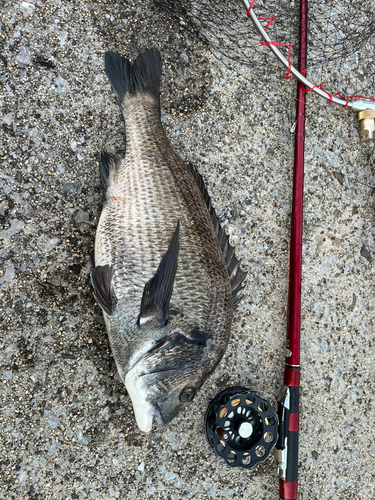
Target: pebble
x=53 y=448
x=141 y=466
x=50 y=244
x=53 y=422
x=23 y=59
x=8 y=119
x=22 y=477
x=63 y=38
x=365 y=253
x=56 y=280
x=27 y=8
x=169 y=476
x=105 y=413
x=15 y=227
x=68 y=187
x=81 y=216
x=8 y=375
x=9 y=273
x=61 y=83
x=7 y=190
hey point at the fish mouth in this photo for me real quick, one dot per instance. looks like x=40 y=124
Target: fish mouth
x=145 y=412
x=150 y=407
x=146 y=418
x=159 y=419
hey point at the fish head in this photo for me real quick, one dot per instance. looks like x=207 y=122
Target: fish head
x=167 y=376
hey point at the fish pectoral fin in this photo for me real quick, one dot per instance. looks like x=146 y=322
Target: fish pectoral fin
x=158 y=290
x=108 y=163
x=101 y=278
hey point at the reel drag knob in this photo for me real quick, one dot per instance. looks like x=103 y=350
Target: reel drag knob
x=241 y=427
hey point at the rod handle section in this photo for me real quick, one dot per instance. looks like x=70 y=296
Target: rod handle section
x=287 y=444
x=288 y=491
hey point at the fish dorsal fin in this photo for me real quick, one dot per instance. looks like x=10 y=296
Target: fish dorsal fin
x=158 y=290
x=101 y=278
x=236 y=275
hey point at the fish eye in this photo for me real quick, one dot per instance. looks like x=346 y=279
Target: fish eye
x=187 y=395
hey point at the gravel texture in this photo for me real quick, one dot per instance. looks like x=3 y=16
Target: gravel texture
x=67 y=429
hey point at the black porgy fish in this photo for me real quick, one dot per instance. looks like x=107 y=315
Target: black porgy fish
x=165 y=274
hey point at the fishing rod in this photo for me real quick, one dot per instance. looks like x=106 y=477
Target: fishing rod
x=240 y=425
x=288 y=406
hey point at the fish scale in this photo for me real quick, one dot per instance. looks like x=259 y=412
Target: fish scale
x=161 y=275
x=148 y=221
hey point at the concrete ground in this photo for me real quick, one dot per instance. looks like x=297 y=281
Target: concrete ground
x=67 y=429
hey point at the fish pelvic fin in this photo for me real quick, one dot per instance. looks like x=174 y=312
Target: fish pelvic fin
x=158 y=290
x=101 y=278
x=143 y=75
x=236 y=274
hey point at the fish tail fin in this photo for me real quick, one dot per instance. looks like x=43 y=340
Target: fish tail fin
x=141 y=76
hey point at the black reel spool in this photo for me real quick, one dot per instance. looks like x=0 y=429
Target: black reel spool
x=241 y=427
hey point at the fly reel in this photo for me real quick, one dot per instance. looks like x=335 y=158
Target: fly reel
x=241 y=427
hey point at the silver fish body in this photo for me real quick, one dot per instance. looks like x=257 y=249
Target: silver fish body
x=165 y=274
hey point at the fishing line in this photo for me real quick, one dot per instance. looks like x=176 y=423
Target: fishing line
x=311 y=461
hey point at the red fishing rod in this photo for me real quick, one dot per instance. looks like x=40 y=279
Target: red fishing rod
x=288 y=406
